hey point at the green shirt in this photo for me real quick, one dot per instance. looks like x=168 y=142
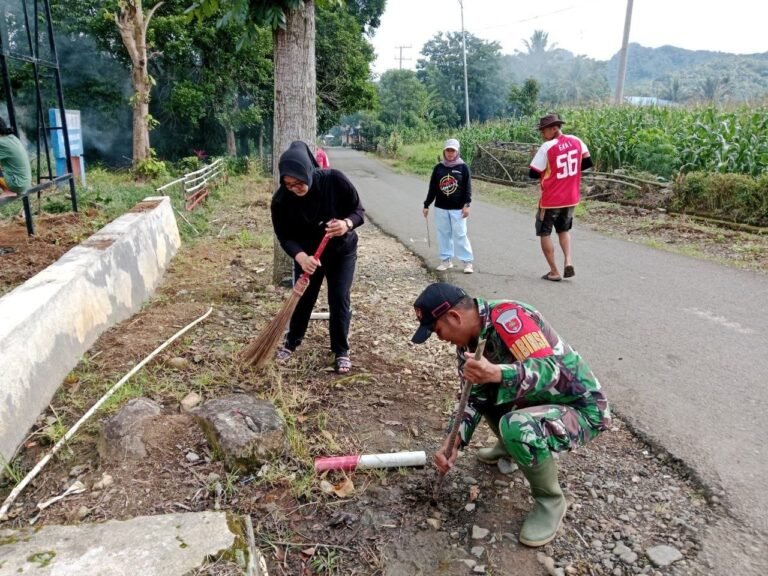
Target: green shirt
x=15 y=164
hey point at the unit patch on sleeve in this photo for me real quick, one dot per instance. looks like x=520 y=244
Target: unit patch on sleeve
x=520 y=332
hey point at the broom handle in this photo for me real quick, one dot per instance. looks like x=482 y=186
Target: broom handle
x=303 y=280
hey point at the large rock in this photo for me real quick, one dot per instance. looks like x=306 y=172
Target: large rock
x=122 y=435
x=245 y=432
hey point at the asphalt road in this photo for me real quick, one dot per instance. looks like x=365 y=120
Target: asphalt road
x=679 y=344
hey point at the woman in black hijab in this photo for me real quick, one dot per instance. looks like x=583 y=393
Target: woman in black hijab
x=309 y=204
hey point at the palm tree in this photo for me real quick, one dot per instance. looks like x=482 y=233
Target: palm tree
x=537 y=44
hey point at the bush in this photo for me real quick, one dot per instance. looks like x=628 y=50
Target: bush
x=393 y=144
x=734 y=197
x=189 y=164
x=239 y=164
x=151 y=168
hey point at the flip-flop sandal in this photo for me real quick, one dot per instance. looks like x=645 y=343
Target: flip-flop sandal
x=569 y=272
x=548 y=277
x=343 y=365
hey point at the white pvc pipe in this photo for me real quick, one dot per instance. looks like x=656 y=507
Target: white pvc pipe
x=386 y=460
x=71 y=432
x=392 y=460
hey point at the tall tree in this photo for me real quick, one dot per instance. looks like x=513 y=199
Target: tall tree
x=344 y=83
x=402 y=98
x=295 y=118
x=132 y=24
x=293 y=25
x=524 y=99
x=442 y=70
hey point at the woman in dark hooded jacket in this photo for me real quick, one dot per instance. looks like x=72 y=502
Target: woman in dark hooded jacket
x=309 y=204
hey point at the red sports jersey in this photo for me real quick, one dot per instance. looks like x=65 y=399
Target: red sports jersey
x=559 y=163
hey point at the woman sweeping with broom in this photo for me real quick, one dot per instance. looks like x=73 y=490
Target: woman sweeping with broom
x=309 y=205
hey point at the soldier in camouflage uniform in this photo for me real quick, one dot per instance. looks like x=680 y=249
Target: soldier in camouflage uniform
x=535 y=392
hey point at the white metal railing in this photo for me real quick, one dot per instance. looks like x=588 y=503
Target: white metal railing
x=197 y=184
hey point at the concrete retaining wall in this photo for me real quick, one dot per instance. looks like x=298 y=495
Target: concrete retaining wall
x=49 y=322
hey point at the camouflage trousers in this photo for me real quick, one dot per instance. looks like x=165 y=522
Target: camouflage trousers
x=531 y=434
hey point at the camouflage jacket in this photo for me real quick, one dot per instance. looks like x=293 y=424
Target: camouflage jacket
x=537 y=366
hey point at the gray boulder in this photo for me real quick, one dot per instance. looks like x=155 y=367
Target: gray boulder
x=245 y=432
x=122 y=434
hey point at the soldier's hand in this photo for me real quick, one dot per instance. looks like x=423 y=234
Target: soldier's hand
x=444 y=463
x=481 y=371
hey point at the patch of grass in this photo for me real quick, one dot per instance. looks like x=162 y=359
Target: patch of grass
x=14 y=470
x=264 y=241
x=326 y=561
x=302 y=486
x=128 y=391
x=506 y=195
x=244 y=239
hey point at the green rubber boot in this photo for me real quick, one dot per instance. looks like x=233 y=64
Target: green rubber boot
x=543 y=522
x=497 y=452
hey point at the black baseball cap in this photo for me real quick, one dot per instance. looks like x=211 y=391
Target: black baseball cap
x=433 y=302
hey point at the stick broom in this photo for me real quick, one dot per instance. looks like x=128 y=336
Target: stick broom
x=262 y=348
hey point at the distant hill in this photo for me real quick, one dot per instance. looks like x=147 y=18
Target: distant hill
x=693 y=75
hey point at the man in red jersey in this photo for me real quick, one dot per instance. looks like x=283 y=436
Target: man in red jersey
x=558 y=164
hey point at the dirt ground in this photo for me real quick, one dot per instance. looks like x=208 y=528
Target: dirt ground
x=398 y=397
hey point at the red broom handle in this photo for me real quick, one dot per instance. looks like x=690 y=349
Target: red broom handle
x=303 y=281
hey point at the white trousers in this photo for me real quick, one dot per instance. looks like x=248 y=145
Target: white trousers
x=452 y=237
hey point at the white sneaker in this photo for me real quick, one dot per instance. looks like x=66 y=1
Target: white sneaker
x=468 y=268
x=444 y=265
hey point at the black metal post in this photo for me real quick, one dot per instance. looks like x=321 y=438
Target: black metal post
x=60 y=95
x=6 y=75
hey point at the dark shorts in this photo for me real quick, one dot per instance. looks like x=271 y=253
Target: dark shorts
x=560 y=218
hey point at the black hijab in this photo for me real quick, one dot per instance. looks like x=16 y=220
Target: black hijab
x=298 y=162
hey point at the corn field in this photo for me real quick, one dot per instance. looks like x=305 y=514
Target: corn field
x=661 y=141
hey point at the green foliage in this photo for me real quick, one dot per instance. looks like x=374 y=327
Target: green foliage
x=393 y=144
x=114 y=193
x=403 y=99
x=442 y=73
x=420 y=158
x=239 y=164
x=524 y=99
x=693 y=76
x=343 y=77
x=326 y=561
x=13 y=470
x=189 y=164
x=151 y=168
x=733 y=197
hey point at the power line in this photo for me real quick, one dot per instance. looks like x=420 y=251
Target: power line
x=400 y=58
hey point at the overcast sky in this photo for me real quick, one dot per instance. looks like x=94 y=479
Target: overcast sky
x=590 y=27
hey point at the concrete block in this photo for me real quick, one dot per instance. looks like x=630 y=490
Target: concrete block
x=169 y=545
x=50 y=321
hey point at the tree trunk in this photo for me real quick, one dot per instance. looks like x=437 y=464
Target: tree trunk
x=132 y=25
x=231 y=144
x=295 y=98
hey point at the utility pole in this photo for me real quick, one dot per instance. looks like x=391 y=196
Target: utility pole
x=623 y=57
x=401 y=48
x=464 y=53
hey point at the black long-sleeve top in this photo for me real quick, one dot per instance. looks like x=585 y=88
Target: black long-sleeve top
x=450 y=188
x=299 y=222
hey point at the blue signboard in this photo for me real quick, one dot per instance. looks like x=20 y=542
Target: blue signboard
x=75 y=133
x=73 y=129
